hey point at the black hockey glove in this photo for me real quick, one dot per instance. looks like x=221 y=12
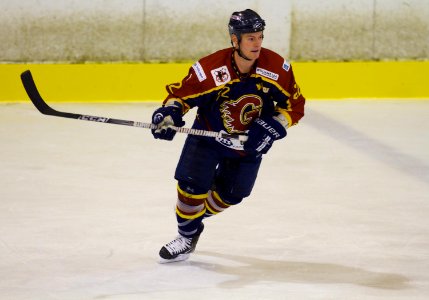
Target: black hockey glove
x=262 y=134
x=165 y=117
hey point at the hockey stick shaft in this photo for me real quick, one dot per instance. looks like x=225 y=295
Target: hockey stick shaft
x=35 y=97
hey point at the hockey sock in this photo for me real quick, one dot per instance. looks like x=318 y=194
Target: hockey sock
x=214 y=204
x=190 y=210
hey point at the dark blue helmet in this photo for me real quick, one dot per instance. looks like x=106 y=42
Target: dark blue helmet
x=245 y=21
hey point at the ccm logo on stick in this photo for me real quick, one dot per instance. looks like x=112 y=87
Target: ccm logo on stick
x=94 y=119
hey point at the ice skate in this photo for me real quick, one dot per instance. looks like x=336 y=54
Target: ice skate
x=180 y=248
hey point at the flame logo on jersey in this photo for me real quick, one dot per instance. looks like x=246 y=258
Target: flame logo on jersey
x=238 y=114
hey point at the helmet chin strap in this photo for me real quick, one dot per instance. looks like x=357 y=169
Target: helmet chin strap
x=241 y=54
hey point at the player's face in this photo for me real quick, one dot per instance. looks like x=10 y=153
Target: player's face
x=251 y=44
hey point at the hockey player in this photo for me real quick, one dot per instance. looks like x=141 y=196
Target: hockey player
x=245 y=89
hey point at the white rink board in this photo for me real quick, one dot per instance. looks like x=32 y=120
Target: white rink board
x=169 y=30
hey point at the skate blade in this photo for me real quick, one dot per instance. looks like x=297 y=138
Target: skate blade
x=180 y=257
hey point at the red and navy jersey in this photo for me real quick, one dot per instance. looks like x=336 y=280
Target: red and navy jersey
x=228 y=101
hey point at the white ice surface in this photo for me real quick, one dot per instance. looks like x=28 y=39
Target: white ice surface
x=340 y=209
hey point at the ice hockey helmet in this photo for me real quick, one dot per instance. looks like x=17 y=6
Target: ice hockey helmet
x=245 y=21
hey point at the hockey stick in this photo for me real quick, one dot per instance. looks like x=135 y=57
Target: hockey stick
x=44 y=108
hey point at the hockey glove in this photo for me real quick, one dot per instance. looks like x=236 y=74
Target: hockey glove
x=165 y=117
x=262 y=134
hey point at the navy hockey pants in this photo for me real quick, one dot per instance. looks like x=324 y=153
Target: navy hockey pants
x=205 y=165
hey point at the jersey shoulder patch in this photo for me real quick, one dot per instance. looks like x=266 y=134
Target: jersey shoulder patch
x=266 y=73
x=198 y=69
x=221 y=75
x=286 y=65
x=272 y=65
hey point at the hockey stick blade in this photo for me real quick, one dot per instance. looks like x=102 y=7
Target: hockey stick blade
x=35 y=97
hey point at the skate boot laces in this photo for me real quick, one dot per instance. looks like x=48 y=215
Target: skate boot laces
x=180 y=245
